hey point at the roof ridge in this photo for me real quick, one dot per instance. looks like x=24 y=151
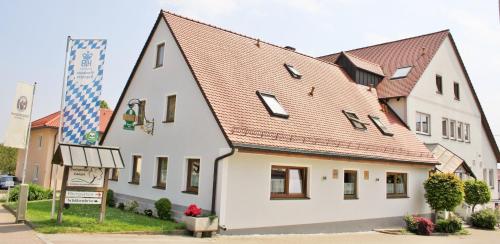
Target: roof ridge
x=249 y=37
x=388 y=42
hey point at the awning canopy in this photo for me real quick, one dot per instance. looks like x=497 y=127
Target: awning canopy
x=88 y=156
x=449 y=161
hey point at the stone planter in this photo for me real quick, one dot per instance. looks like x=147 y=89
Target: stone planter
x=198 y=225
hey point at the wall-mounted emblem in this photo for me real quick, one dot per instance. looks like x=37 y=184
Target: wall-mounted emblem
x=129 y=118
x=92 y=137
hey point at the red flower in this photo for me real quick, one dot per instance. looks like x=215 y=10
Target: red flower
x=192 y=210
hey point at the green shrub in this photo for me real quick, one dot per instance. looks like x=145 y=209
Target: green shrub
x=132 y=206
x=35 y=193
x=110 y=198
x=451 y=225
x=476 y=192
x=163 y=207
x=121 y=206
x=484 y=219
x=411 y=223
x=443 y=191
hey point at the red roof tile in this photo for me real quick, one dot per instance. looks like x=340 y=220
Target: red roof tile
x=415 y=51
x=230 y=68
x=52 y=120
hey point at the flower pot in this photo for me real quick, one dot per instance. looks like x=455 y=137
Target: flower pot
x=201 y=224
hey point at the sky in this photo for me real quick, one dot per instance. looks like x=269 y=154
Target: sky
x=33 y=36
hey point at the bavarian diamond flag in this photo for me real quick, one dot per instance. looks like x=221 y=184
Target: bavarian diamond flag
x=83 y=90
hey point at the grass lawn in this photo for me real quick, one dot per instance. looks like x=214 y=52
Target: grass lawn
x=83 y=218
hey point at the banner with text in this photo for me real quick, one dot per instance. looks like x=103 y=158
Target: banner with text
x=83 y=90
x=19 y=121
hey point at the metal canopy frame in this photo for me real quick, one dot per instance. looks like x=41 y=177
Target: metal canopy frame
x=69 y=159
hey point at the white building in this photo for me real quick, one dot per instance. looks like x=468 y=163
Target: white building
x=425 y=81
x=269 y=139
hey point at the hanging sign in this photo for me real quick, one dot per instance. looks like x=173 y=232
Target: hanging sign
x=85 y=177
x=19 y=121
x=92 y=137
x=129 y=118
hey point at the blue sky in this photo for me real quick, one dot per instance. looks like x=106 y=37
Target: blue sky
x=33 y=36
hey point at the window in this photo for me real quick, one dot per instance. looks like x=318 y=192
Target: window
x=350 y=184
x=456 y=90
x=36 y=169
x=170 y=113
x=467 y=132
x=401 y=72
x=353 y=118
x=485 y=175
x=460 y=134
x=439 y=84
x=136 y=169
x=40 y=141
x=160 y=49
x=161 y=174
x=452 y=129
x=380 y=125
x=193 y=176
x=423 y=123
x=293 y=71
x=396 y=185
x=444 y=126
x=288 y=182
x=114 y=174
x=491 y=178
x=141 y=112
x=272 y=105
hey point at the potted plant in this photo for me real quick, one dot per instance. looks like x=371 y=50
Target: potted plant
x=197 y=223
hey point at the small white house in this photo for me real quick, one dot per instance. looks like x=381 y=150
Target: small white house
x=269 y=139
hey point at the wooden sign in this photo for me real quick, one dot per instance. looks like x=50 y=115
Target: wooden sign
x=85 y=177
x=82 y=200
x=335 y=174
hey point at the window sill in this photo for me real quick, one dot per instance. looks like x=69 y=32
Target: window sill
x=439 y=93
x=351 y=198
x=190 y=192
x=133 y=183
x=422 y=133
x=167 y=122
x=397 y=197
x=445 y=137
x=290 y=198
x=113 y=179
x=457 y=99
x=160 y=187
x=157 y=67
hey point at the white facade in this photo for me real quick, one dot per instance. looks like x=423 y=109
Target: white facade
x=193 y=134
x=424 y=99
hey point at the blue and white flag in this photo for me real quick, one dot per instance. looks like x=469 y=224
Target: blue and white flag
x=83 y=90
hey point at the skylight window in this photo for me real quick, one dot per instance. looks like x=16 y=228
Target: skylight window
x=272 y=105
x=353 y=118
x=401 y=72
x=376 y=120
x=293 y=71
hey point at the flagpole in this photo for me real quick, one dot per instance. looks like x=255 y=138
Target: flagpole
x=59 y=132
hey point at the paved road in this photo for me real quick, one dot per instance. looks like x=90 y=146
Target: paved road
x=10 y=232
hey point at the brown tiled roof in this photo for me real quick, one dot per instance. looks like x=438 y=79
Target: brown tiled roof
x=230 y=68
x=415 y=51
x=52 y=120
x=364 y=64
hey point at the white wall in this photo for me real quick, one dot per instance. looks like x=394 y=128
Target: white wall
x=246 y=193
x=399 y=107
x=194 y=133
x=423 y=98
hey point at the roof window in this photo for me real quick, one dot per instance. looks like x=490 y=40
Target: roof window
x=376 y=120
x=401 y=72
x=353 y=118
x=293 y=71
x=272 y=105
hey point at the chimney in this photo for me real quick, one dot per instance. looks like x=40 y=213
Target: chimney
x=290 y=48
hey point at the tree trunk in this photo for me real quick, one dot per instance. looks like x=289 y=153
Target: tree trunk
x=473 y=207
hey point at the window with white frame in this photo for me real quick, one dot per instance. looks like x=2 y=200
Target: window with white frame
x=160 y=51
x=491 y=177
x=467 y=132
x=453 y=125
x=423 y=123
x=272 y=105
x=460 y=134
x=444 y=126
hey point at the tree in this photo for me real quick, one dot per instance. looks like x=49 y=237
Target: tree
x=443 y=191
x=104 y=104
x=8 y=158
x=476 y=192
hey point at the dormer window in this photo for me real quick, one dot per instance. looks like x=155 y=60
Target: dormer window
x=376 y=120
x=353 y=118
x=293 y=71
x=401 y=73
x=272 y=105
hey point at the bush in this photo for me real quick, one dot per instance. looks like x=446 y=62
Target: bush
x=451 y=225
x=110 y=198
x=35 y=193
x=484 y=219
x=121 y=206
x=163 y=207
x=132 y=206
x=443 y=191
x=192 y=210
x=424 y=226
x=411 y=223
x=148 y=212
x=476 y=192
